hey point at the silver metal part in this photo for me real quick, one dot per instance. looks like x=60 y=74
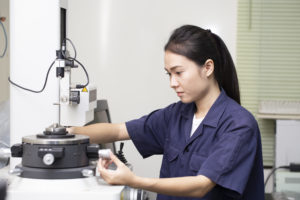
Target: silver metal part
x=87 y=172
x=5 y=152
x=134 y=194
x=33 y=139
x=48 y=159
x=16 y=171
x=104 y=154
x=55 y=128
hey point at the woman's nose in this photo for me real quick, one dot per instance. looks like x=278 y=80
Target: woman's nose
x=173 y=82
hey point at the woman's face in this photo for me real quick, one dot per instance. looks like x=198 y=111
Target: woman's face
x=190 y=82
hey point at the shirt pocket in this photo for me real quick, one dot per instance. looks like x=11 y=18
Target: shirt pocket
x=196 y=163
x=169 y=162
x=172 y=154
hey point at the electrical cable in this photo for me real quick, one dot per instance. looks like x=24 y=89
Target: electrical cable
x=73 y=46
x=74 y=59
x=5 y=37
x=30 y=90
x=273 y=170
x=45 y=83
x=87 y=75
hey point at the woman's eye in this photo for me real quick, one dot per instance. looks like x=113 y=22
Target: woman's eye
x=169 y=74
x=178 y=73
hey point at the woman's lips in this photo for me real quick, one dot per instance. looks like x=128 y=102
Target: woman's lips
x=179 y=94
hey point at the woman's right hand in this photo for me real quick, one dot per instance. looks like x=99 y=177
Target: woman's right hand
x=121 y=176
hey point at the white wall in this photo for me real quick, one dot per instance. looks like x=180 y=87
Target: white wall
x=4 y=62
x=121 y=43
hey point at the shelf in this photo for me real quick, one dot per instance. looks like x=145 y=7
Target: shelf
x=277 y=116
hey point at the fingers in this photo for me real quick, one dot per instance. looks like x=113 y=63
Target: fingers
x=107 y=163
x=104 y=163
x=119 y=176
x=113 y=159
x=102 y=168
x=116 y=160
x=105 y=173
x=69 y=130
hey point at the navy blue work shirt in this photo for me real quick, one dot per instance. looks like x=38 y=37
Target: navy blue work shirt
x=226 y=147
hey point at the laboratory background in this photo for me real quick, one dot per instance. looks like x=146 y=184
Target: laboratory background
x=119 y=46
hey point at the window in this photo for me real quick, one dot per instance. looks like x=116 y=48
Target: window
x=268 y=58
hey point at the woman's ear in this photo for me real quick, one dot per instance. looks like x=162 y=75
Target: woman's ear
x=209 y=67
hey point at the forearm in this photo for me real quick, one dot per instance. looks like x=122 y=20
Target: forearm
x=102 y=132
x=192 y=186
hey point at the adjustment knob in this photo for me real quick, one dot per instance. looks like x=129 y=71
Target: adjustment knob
x=16 y=150
x=48 y=159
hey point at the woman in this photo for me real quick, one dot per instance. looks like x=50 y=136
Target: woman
x=210 y=144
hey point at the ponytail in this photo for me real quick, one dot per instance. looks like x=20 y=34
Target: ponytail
x=225 y=73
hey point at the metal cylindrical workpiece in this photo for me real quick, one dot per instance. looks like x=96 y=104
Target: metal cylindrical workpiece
x=104 y=153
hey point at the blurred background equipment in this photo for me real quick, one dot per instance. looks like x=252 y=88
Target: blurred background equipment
x=286 y=171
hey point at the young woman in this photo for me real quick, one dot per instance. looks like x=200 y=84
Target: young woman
x=210 y=144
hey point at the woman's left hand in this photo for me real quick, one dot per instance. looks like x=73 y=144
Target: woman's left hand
x=121 y=176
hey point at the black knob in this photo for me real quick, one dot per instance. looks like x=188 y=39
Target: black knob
x=92 y=150
x=17 y=150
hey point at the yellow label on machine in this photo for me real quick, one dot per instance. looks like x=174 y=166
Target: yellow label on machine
x=84 y=90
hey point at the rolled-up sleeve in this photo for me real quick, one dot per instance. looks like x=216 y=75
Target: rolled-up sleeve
x=148 y=133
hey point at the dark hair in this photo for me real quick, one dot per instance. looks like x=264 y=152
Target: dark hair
x=198 y=45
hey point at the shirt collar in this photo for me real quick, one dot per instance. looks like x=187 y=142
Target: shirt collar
x=214 y=113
